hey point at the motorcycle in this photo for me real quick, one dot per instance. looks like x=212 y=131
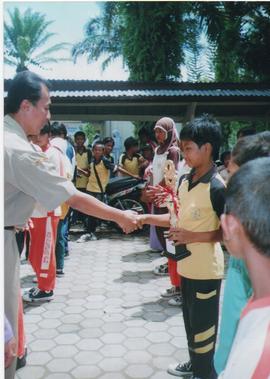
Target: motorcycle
x=125 y=193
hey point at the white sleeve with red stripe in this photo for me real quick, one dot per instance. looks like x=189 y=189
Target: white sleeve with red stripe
x=250 y=354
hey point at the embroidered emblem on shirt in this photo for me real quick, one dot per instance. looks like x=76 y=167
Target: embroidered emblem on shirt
x=195 y=213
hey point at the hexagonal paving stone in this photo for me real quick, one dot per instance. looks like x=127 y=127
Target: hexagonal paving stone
x=64 y=351
x=159 y=337
x=49 y=324
x=113 y=350
x=162 y=349
x=156 y=326
x=92 y=323
x=59 y=376
x=45 y=333
x=86 y=372
x=41 y=345
x=67 y=339
x=31 y=372
x=61 y=365
x=38 y=358
x=137 y=356
x=68 y=328
x=89 y=344
x=113 y=327
x=91 y=332
x=139 y=371
x=72 y=319
x=88 y=357
x=135 y=332
x=111 y=338
x=136 y=343
x=112 y=364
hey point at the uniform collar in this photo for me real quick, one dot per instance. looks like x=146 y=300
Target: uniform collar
x=15 y=127
x=255 y=304
x=205 y=178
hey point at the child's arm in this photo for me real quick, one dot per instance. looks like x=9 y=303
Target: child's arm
x=182 y=236
x=123 y=171
x=157 y=220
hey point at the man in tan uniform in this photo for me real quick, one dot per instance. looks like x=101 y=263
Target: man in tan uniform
x=29 y=177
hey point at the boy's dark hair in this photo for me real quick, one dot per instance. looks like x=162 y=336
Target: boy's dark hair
x=130 y=142
x=246 y=131
x=26 y=85
x=147 y=147
x=80 y=133
x=57 y=129
x=251 y=147
x=202 y=130
x=46 y=129
x=248 y=199
x=99 y=142
x=107 y=140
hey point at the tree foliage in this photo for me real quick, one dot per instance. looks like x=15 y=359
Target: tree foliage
x=24 y=36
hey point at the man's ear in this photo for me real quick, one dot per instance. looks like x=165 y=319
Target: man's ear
x=25 y=105
x=232 y=234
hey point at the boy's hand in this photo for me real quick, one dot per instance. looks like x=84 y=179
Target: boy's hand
x=154 y=193
x=141 y=220
x=10 y=351
x=180 y=236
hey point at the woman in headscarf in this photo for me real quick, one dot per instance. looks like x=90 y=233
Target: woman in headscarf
x=167 y=139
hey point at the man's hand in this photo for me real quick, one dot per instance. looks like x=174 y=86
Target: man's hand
x=128 y=221
x=180 y=236
x=10 y=351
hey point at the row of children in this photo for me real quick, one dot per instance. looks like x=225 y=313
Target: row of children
x=95 y=167
x=246 y=226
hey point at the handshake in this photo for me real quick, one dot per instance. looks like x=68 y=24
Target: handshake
x=131 y=221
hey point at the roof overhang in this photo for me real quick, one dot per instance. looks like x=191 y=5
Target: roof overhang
x=107 y=100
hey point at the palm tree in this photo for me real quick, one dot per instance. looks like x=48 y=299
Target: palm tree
x=24 y=37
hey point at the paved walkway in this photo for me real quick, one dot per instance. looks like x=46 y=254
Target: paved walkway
x=107 y=320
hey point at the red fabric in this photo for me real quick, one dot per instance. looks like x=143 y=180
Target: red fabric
x=262 y=370
x=21 y=334
x=174 y=276
x=42 y=251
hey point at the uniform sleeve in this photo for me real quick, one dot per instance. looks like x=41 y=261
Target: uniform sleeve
x=217 y=196
x=121 y=159
x=36 y=176
x=108 y=164
x=174 y=156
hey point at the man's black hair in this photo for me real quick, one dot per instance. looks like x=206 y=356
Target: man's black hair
x=26 y=85
x=80 y=133
x=248 y=199
x=202 y=130
x=130 y=142
x=246 y=131
x=108 y=140
x=57 y=129
x=251 y=147
x=46 y=129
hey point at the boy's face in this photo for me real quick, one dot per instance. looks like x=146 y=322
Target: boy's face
x=133 y=150
x=108 y=148
x=79 y=140
x=41 y=140
x=98 y=151
x=193 y=154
